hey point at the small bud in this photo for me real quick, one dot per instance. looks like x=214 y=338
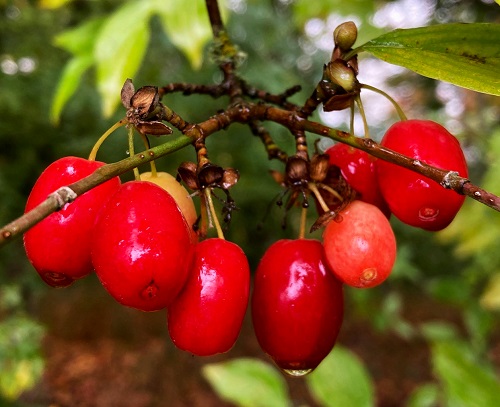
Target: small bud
x=187 y=173
x=127 y=93
x=153 y=128
x=229 y=178
x=210 y=174
x=145 y=101
x=345 y=35
x=319 y=167
x=340 y=73
x=297 y=170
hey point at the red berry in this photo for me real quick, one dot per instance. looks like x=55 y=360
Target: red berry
x=178 y=192
x=59 y=246
x=358 y=169
x=297 y=305
x=360 y=246
x=142 y=248
x=414 y=199
x=206 y=317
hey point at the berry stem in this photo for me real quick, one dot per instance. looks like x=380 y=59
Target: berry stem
x=400 y=112
x=211 y=207
x=97 y=145
x=131 y=151
x=363 y=116
x=351 y=121
x=152 y=164
x=303 y=221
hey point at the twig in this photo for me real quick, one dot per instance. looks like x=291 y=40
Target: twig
x=246 y=113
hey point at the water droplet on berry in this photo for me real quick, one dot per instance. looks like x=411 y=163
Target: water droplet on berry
x=56 y=279
x=297 y=372
x=428 y=214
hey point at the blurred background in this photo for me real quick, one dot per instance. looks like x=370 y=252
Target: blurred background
x=77 y=347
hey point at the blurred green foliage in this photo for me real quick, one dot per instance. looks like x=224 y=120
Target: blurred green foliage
x=41 y=52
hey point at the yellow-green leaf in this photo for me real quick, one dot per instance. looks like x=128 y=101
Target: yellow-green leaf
x=466 y=382
x=467 y=55
x=188 y=29
x=53 y=4
x=68 y=83
x=248 y=382
x=80 y=40
x=119 y=50
x=341 y=380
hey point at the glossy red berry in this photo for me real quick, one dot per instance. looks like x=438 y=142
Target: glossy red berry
x=179 y=193
x=360 y=247
x=206 y=317
x=414 y=199
x=141 y=248
x=358 y=169
x=59 y=246
x=297 y=305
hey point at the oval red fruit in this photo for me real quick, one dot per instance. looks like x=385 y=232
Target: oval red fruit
x=360 y=246
x=358 y=169
x=59 y=245
x=206 y=317
x=297 y=305
x=142 y=248
x=414 y=199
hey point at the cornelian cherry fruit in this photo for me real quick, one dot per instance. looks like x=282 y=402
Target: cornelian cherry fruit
x=178 y=192
x=358 y=169
x=142 y=248
x=206 y=317
x=59 y=245
x=360 y=246
x=413 y=198
x=297 y=305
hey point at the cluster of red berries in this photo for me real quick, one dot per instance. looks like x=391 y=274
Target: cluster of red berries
x=139 y=239
x=139 y=242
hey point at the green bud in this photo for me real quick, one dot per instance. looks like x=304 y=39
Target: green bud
x=345 y=35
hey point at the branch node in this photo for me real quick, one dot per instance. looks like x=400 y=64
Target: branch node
x=63 y=196
x=448 y=178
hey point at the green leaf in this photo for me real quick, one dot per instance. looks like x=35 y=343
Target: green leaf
x=466 y=55
x=120 y=49
x=490 y=299
x=53 y=4
x=426 y=395
x=341 y=380
x=68 y=83
x=188 y=29
x=80 y=40
x=438 y=330
x=465 y=381
x=248 y=383
x=21 y=363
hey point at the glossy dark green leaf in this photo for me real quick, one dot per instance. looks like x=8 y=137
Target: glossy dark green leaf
x=248 y=382
x=341 y=380
x=467 y=55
